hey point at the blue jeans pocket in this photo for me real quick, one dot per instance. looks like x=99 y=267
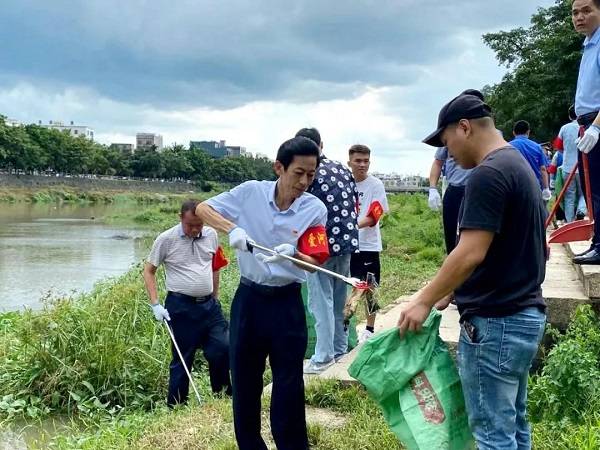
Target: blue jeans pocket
x=475 y=330
x=519 y=345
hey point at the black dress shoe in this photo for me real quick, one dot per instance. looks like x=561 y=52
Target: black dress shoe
x=577 y=255
x=592 y=257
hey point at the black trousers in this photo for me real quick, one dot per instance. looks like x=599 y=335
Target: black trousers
x=197 y=325
x=594 y=167
x=450 y=208
x=268 y=322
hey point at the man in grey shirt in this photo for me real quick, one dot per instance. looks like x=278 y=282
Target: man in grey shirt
x=457 y=178
x=192 y=258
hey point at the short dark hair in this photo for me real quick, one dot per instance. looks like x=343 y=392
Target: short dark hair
x=312 y=134
x=359 y=148
x=521 y=127
x=189 y=205
x=572 y=114
x=297 y=146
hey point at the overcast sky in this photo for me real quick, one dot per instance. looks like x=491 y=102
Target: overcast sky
x=252 y=72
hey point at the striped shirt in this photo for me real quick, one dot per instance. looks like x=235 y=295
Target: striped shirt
x=188 y=261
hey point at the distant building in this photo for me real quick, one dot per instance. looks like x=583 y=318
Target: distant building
x=216 y=149
x=235 y=151
x=12 y=123
x=147 y=141
x=403 y=182
x=74 y=130
x=126 y=149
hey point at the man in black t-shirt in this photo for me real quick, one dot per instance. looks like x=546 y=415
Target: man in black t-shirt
x=495 y=273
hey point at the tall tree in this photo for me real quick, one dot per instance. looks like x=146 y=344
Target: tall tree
x=543 y=62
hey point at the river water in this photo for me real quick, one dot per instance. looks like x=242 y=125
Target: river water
x=60 y=249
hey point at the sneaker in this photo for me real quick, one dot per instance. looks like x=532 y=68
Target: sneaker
x=579 y=215
x=311 y=367
x=337 y=358
x=365 y=335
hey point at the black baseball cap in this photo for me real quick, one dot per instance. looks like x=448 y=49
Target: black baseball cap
x=465 y=106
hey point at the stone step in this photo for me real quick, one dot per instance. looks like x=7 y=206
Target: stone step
x=562 y=288
x=589 y=275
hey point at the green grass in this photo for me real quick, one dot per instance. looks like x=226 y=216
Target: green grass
x=101 y=361
x=211 y=425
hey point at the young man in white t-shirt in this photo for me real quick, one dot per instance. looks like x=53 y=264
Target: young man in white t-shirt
x=372 y=204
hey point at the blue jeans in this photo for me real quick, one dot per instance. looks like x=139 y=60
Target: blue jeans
x=326 y=299
x=494 y=367
x=574 y=198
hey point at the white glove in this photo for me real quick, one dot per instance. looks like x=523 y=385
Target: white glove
x=589 y=139
x=160 y=312
x=546 y=194
x=283 y=249
x=435 y=201
x=238 y=239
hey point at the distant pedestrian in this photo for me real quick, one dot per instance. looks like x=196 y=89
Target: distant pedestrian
x=574 y=201
x=534 y=154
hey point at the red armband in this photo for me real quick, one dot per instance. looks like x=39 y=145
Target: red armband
x=375 y=211
x=558 y=144
x=314 y=243
x=219 y=260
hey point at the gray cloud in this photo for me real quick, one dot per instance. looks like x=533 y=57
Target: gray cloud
x=223 y=54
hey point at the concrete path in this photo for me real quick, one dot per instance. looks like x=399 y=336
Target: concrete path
x=562 y=288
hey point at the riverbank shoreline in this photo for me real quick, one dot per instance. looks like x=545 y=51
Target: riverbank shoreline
x=93 y=183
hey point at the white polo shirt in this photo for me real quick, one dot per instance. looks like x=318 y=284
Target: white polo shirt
x=188 y=261
x=251 y=205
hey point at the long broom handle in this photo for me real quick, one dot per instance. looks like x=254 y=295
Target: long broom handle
x=187 y=372
x=563 y=191
x=588 y=187
x=303 y=263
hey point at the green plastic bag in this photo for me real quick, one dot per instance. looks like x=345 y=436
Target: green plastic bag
x=312 y=334
x=416 y=384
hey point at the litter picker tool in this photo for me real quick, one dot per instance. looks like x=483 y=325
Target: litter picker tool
x=367 y=295
x=189 y=375
x=354 y=282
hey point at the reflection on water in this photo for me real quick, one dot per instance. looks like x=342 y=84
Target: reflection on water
x=60 y=249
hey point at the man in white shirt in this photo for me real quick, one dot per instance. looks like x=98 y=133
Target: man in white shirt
x=267 y=314
x=192 y=258
x=372 y=204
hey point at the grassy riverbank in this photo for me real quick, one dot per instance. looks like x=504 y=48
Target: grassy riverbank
x=101 y=361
